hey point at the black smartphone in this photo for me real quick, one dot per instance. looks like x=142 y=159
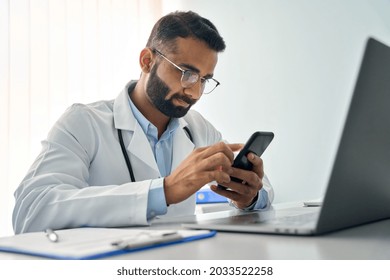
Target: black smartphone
x=256 y=144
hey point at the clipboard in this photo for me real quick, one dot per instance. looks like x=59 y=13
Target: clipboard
x=96 y=243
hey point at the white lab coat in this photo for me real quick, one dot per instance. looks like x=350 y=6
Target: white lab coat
x=80 y=178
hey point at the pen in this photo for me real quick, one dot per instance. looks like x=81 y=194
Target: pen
x=51 y=235
x=147 y=241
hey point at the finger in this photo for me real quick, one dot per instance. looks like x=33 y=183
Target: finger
x=221 y=147
x=225 y=192
x=240 y=200
x=218 y=161
x=245 y=188
x=214 y=176
x=257 y=162
x=246 y=177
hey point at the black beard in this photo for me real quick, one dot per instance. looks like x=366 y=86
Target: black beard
x=157 y=91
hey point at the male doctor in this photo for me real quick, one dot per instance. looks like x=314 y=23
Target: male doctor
x=145 y=154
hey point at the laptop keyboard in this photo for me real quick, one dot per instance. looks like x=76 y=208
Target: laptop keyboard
x=296 y=220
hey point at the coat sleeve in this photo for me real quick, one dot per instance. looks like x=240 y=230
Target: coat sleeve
x=56 y=192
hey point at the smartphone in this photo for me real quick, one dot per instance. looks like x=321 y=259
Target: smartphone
x=256 y=144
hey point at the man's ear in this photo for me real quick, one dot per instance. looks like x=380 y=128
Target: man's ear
x=146 y=60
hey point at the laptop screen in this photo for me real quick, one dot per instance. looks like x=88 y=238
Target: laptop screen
x=359 y=186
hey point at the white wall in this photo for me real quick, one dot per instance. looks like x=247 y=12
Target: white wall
x=289 y=67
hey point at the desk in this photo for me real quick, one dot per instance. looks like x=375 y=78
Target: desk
x=367 y=242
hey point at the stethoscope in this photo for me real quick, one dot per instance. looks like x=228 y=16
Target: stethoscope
x=126 y=156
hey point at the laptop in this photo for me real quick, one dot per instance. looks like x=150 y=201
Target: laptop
x=358 y=190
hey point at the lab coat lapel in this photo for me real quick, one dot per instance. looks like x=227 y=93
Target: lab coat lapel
x=140 y=153
x=182 y=145
x=141 y=156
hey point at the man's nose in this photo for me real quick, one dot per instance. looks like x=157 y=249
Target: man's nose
x=195 y=91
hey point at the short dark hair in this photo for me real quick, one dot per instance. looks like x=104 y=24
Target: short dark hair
x=184 y=24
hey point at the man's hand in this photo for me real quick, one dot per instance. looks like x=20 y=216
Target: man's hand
x=243 y=194
x=203 y=165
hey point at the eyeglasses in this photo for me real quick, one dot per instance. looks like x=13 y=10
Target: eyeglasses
x=190 y=78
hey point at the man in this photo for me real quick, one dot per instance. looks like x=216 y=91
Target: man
x=144 y=154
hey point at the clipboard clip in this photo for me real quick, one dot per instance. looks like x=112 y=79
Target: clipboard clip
x=146 y=239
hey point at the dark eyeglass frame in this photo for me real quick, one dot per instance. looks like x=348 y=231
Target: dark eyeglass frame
x=188 y=82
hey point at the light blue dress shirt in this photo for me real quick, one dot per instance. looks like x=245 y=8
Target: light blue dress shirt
x=162 y=150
